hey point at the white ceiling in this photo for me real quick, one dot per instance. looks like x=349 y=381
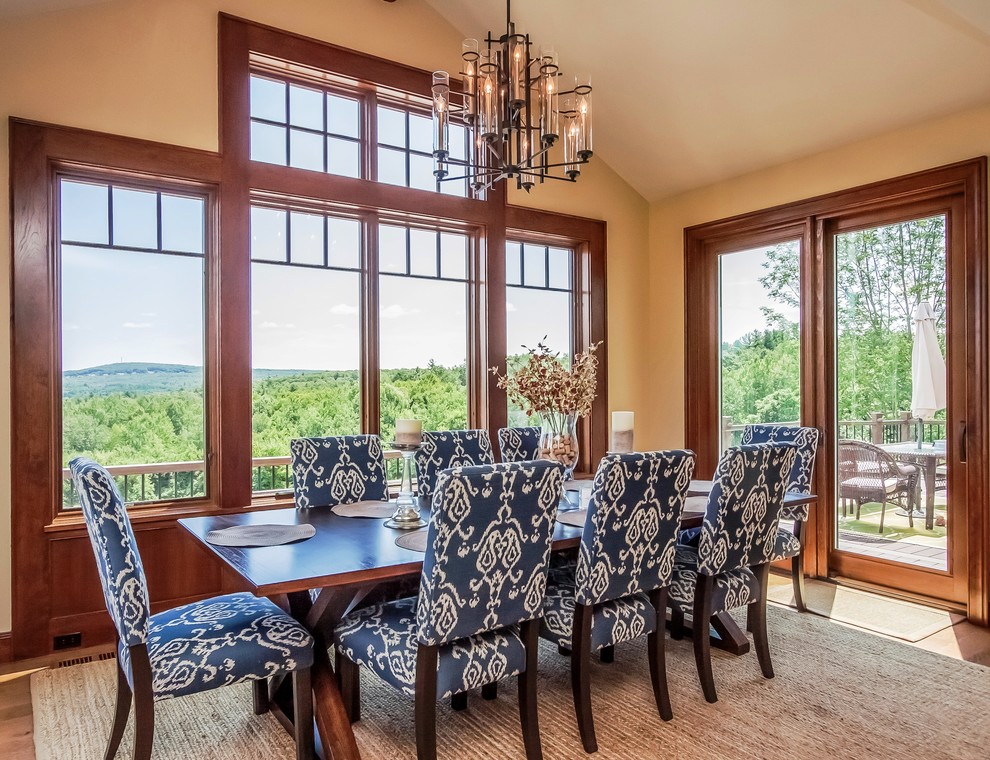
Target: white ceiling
x=691 y=92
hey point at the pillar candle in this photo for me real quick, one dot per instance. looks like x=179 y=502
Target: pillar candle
x=409 y=432
x=622 y=432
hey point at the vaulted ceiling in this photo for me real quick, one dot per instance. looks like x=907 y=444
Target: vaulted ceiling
x=691 y=92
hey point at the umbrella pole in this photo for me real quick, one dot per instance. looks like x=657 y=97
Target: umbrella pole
x=921 y=431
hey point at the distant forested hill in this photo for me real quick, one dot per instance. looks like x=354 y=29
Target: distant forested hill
x=144 y=377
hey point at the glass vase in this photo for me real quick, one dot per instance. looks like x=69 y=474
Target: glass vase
x=559 y=442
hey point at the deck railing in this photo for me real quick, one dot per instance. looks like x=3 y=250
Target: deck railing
x=168 y=481
x=876 y=429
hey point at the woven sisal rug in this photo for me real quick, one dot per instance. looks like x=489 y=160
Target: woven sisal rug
x=839 y=693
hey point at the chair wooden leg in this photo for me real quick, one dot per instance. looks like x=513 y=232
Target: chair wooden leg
x=259 y=690
x=302 y=713
x=120 y=714
x=349 y=677
x=144 y=702
x=607 y=655
x=655 y=645
x=797 y=580
x=563 y=651
x=529 y=716
x=758 y=614
x=426 y=702
x=702 y=640
x=580 y=676
x=489 y=691
x=458 y=702
x=676 y=623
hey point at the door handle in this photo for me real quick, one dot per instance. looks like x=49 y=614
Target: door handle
x=962 y=441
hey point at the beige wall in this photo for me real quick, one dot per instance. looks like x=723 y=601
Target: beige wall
x=956 y=138
x=147 y=68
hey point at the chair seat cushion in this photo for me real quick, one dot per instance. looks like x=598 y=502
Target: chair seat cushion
x=785 y=545
x=612 y=622
x=222 y=641
x=383 y=639
x=733 y=589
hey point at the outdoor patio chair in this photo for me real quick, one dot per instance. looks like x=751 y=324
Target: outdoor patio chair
x=867 y=473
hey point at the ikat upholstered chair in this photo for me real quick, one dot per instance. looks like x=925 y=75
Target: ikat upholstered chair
x=790 y=543
x=476 y=619
x=194 y=648
x=338 y=470
x=519 y=444
x=449 y=448
x=729 y=567
x=618 y=591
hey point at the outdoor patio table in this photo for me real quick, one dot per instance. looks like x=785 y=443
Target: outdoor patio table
x=928 y=458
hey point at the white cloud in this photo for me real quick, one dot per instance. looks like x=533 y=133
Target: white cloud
x=137 y=325
x=343 y=309
x=276 y=326
x=149 y=313
x=396 y=311
x=509 y=306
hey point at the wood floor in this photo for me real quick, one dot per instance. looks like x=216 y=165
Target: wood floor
x=963 y=641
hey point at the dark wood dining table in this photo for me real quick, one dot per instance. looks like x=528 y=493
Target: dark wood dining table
x=345 y=561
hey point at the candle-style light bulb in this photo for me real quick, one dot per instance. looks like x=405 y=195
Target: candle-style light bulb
x=549 y=111
x=470 y=56
x=582 y=90
x=441 y=122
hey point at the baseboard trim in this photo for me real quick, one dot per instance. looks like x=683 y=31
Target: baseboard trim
x=6 y=647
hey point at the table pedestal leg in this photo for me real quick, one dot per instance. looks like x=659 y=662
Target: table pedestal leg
x=725 y=634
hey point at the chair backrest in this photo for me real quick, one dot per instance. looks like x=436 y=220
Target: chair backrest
x=519 y=444
x=337 y=470
x=117 y=559
x=631 y=531
x=803 y=470
x=449 y=448
x=743 y=511
x=488 y=548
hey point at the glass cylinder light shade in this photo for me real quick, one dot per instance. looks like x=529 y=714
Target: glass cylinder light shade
x=488 y=96
x=470 y=55
x=549 y=110
x=572 y=166
x=582 y=95
x=518 y=64
x=441 y=122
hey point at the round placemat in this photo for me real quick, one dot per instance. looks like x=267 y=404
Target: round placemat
x=575 y=517
x=259 y=535
x=414 y=540
x=376 y=509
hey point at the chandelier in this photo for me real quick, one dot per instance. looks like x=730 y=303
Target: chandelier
x=515 y=113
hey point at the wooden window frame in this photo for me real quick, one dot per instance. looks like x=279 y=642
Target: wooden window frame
x=57 y=590
x=961 y=187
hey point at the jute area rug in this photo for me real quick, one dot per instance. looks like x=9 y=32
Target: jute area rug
x=891 y=617
x=839 y=693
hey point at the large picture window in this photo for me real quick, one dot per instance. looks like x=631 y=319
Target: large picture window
x=132 y=288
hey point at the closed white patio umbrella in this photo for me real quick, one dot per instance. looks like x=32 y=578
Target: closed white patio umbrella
x=927 y=367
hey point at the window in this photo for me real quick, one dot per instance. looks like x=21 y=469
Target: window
x=305 y=333
x=133 y=283
x=423 y=294
x=538 y=307
x=305 y=128
x=405 y=151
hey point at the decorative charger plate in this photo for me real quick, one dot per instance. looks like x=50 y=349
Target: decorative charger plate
x=414 y=540
x=376 y=509
x=575 y=517
x=260 y=535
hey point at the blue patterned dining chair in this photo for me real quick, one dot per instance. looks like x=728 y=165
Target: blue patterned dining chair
x=519 y=444
x=618 y=592
x=338 y=470
x=449 y=448
x=190 y=649
x=476 y=619
x=729 y=567
x=790 y=543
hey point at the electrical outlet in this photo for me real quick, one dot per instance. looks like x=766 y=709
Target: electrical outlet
x=68 y=640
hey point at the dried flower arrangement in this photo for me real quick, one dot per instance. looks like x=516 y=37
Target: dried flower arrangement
x=544 y=386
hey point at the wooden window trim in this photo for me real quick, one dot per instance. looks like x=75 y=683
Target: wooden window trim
x=962 y=186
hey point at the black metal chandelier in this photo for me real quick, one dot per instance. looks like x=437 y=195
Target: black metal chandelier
x=515 y=112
